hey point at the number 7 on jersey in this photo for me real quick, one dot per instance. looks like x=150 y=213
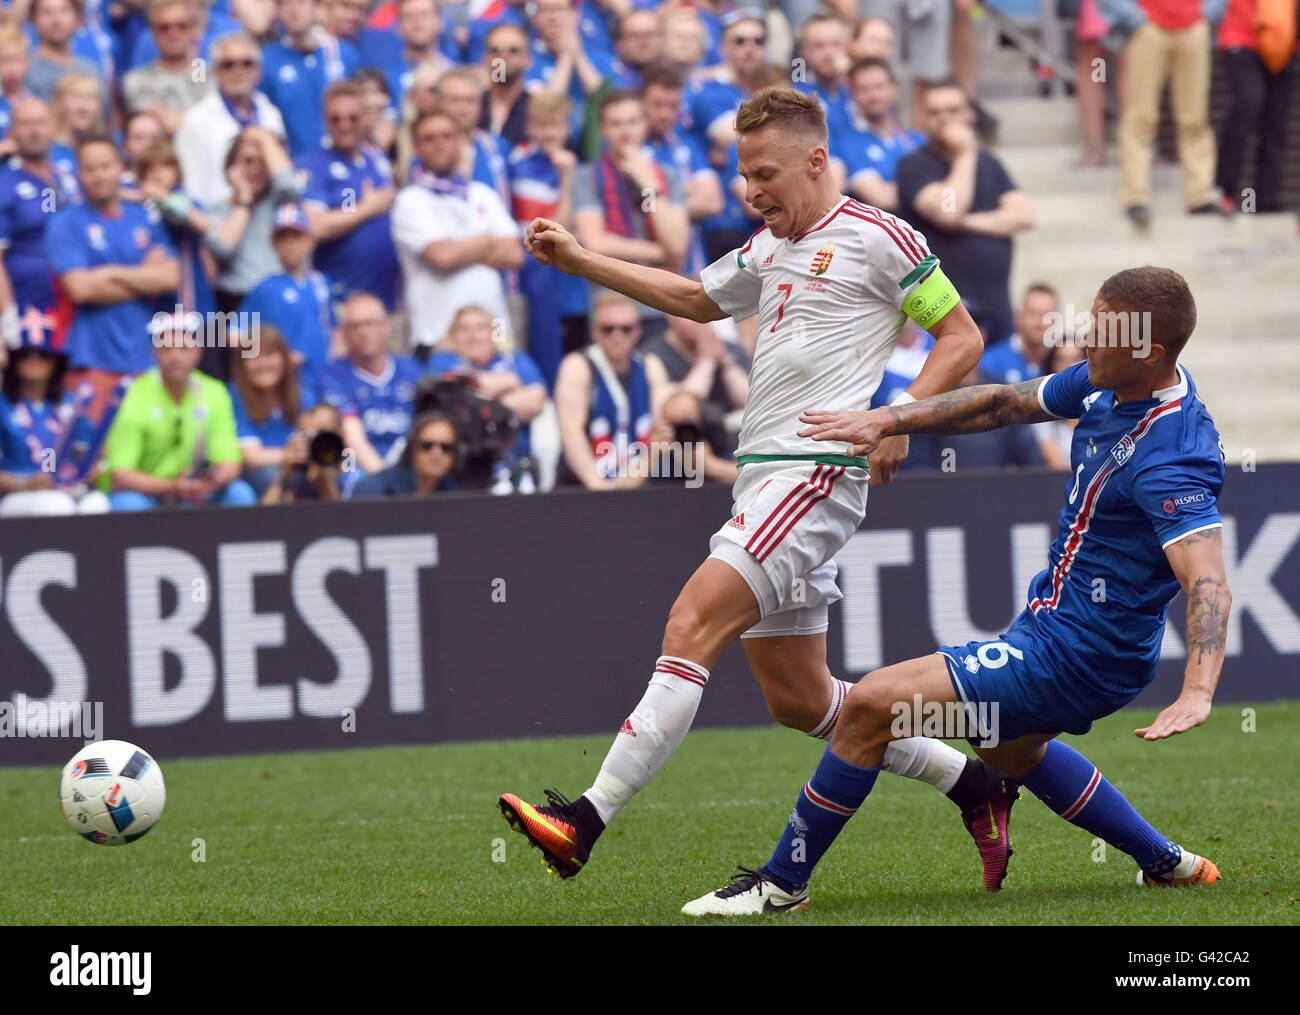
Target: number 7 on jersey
x=787 y=288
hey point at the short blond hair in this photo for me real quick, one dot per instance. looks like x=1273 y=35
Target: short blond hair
x=549 y=106
x=785 y=109
x=500 y=329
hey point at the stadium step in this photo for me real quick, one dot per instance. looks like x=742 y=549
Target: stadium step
x=1246 y=349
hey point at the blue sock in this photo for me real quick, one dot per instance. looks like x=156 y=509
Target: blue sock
x=1073 y=787
x=832 y=796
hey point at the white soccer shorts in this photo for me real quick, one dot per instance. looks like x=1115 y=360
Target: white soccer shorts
x=789 y=519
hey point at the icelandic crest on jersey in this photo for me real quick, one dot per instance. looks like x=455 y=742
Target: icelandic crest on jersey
x=822 y=259
x=1122 y=451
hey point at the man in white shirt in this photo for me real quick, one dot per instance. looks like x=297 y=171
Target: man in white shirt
x=454 y=237
x=212 y=123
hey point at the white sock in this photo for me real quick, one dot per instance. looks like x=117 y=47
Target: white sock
x=839 y=691
x=926 y=759
x=922 y=758
x=650 y=735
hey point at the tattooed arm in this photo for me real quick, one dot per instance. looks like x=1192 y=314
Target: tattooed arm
x=1197 y=560
x=966 y=410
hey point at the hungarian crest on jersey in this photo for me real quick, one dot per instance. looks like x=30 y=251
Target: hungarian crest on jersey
x=822 y=259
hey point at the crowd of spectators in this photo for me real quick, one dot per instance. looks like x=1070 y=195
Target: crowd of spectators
x=232 y=230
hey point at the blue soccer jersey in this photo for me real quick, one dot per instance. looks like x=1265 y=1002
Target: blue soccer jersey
x=363 y=260
x=296 y=81
x=107 y=336
x=301 y=309
x=26 y=204
x=1145 y=474
x=382 y=402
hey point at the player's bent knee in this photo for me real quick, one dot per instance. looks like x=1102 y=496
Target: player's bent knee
x=867 y=710
x=793 y=712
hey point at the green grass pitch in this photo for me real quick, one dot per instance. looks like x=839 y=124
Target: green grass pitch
x=412 y=835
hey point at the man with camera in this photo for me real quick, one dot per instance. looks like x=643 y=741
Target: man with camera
x=312 y=459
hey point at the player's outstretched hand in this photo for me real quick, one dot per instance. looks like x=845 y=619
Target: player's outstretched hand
x=863 y=430
x=1184 y=714
x=550 y=243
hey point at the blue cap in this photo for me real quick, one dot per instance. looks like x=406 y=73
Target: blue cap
x=36 y=330
x=290 y=216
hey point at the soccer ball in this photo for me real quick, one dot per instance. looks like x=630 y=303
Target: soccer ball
x=111 y=792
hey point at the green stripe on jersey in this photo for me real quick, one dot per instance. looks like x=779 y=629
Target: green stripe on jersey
x=918 y=271
x=845 y=460
x=740 y=260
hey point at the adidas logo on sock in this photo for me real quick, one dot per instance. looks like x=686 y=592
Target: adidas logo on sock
x=627 y=728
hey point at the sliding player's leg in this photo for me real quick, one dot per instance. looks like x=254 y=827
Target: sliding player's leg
x=1026 y=681
x=712 y=610
x=789 y=662
x=871 y=720
x=1072 y=787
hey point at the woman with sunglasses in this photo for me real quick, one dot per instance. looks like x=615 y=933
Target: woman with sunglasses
x=43 y=438
x=426 y=464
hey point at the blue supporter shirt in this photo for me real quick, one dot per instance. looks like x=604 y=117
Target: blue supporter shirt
x=302 y=310
x=543 y=68
x=1145 y=474
x=113 y=336
x=862 y=149
x=1005 y=362
x=735 y=212
x=834 y=103
x=29 y=431
x=26 y=203
x=64 y=159
x=684 y=154
x=296 y=81
x=275 y=430
x=706 y=101
x=383 y=403
x=364 y=259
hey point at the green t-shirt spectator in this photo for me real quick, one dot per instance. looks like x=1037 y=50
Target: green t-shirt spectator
x=154 y=435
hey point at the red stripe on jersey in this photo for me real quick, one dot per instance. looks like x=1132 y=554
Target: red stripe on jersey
x=829 y=220
x=897 y=223
x=828 y=482
x=745 y=248
x=802 y=491
x=906 y=246
x=1083 y=520
x=798 y=488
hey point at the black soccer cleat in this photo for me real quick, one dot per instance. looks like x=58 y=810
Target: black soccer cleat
x=564 y=831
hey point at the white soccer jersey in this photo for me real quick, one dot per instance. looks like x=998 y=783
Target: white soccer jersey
x=830 y=310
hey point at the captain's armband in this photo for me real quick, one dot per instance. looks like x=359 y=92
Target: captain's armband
x=931 y=300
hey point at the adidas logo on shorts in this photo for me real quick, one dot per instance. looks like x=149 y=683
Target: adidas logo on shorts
x=738 y=522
